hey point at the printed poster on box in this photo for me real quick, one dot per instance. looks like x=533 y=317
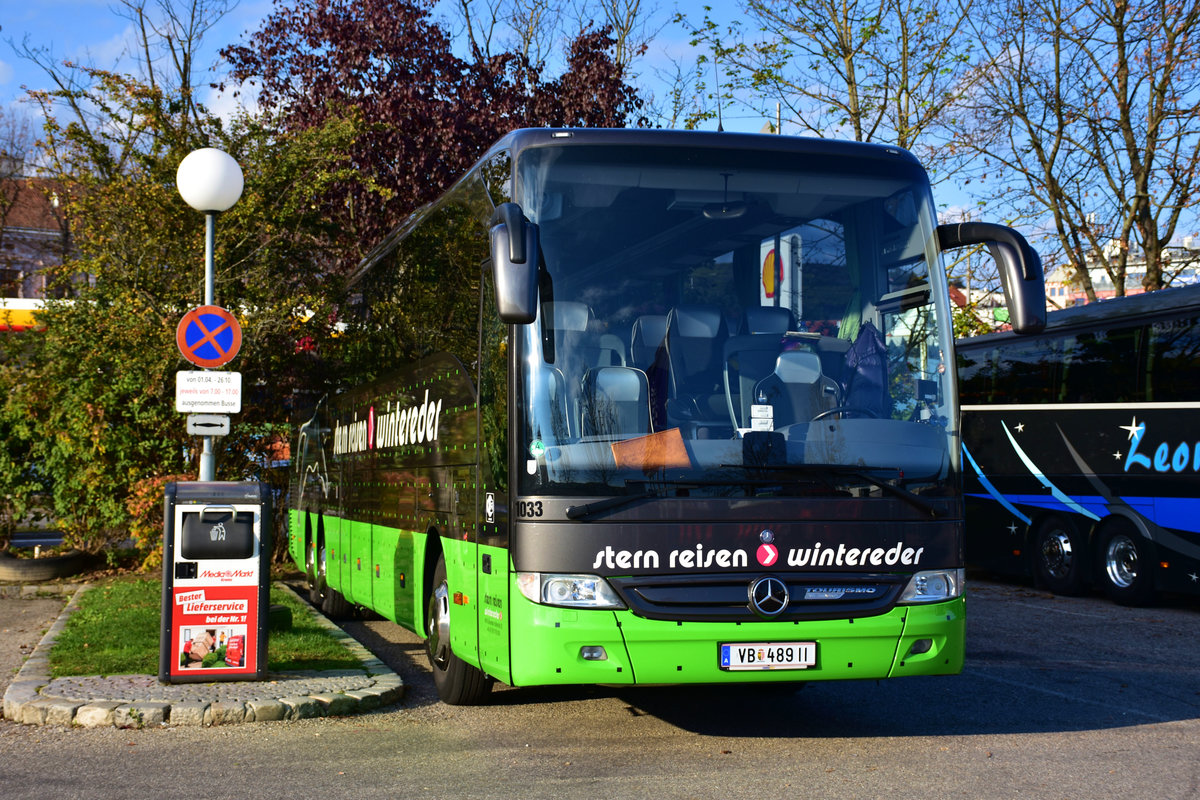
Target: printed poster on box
x=214 y=630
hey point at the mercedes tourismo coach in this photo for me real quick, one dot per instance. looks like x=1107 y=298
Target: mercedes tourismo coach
x=655 y=407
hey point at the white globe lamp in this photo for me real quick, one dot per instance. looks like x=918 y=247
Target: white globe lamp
x=209 y=180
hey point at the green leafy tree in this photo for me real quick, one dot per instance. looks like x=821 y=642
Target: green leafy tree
x=91 y=399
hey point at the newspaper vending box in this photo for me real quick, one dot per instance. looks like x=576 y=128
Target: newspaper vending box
x=216 y=551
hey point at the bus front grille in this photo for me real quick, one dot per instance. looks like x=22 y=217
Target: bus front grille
x=726 y=598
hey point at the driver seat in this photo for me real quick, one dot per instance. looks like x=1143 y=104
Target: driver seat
x=797 y=389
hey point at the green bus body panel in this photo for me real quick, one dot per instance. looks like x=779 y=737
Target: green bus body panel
x=374 y=566
x=358 y=564
x=333 y=527
x=390 y=571
x=410 y=597
x=295 y=545
x=945 y=625
x=493 y=607
x=381 y=570
x=547 y=646
x=460 y=574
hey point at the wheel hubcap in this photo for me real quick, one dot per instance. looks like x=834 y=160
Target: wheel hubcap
x=320 y=570
x=1057 y=554
x=439 y=627
x=1120 y=561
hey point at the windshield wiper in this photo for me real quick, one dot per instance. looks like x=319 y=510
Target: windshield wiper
x=649 y=490
x=854 y=472
x=588 y=509
x=896 y=491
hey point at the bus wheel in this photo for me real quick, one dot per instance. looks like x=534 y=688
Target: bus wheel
x=1126 y=565
x=458 y=683
x=1058 y=554
x=329 y=600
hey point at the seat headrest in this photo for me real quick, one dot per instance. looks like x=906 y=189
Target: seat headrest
x=649 y=330
x=798 y=366
x=569 y=316
x=617 y=383
x=696 y=322
x=768 y=319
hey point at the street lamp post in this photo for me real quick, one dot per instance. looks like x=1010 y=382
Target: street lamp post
x=209 y=180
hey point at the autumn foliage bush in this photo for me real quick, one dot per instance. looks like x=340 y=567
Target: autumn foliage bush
x=146 y=516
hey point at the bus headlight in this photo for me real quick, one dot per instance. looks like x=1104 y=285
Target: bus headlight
x=568 y=591
x=933 y=586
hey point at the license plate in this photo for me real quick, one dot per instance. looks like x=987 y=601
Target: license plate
x=768 y=655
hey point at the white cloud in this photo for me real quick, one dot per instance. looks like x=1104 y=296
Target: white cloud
x=225 y=105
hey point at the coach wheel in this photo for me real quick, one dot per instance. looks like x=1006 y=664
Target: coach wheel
x=1058 y=553
x=846 y=411
x=1126 y=565
x=333 y=604
x=458 y=683
x=329 y=600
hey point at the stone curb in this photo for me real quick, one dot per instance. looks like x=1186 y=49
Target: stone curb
x=25 y=591
x=325 y=694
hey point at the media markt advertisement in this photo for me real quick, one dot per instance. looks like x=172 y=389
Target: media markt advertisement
x=211 y=627
x=215 y=591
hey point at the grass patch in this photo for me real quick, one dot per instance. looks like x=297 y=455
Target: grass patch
x=306 y=645
x=117 y=629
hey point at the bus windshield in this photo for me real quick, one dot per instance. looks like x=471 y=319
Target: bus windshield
x=729 y=322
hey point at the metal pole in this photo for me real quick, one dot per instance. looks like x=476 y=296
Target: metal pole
x=208 y=467
x=209 y=226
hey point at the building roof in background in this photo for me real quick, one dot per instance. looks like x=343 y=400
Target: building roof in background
x=34 y=204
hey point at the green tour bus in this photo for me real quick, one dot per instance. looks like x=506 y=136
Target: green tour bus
x=655 y=407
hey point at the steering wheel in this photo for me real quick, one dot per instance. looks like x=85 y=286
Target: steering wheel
x=843 y=410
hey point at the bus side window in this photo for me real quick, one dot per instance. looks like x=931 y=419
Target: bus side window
x=1105 y=366
x=1028 y=372
x=1174 y=357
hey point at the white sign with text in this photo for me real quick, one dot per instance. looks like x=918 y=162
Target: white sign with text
x=204 y=391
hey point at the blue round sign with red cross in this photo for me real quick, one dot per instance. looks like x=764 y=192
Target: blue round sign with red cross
x=209 y=336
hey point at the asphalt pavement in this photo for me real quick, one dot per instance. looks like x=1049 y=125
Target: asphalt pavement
x=32 y=697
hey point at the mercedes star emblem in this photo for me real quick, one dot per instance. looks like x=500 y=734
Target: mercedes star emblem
x=768 y=596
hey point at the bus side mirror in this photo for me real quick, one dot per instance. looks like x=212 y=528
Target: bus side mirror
x=514 y=245
x=1019 y=264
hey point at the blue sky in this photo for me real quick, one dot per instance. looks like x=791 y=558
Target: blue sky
x=90 y=31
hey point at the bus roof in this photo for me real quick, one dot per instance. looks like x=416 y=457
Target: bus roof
x=1162 y=303
x=524 y=138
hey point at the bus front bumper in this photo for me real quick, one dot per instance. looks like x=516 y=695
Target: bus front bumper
x=563 y=646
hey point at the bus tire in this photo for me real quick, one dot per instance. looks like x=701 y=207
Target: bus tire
x=1059 y=553
x=324 y=597
x=335 y=605
x=458 y=683
x=1125 y=562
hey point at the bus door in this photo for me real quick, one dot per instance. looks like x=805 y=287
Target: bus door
x=355 y=555
x=492 y=589
x=454 y=490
